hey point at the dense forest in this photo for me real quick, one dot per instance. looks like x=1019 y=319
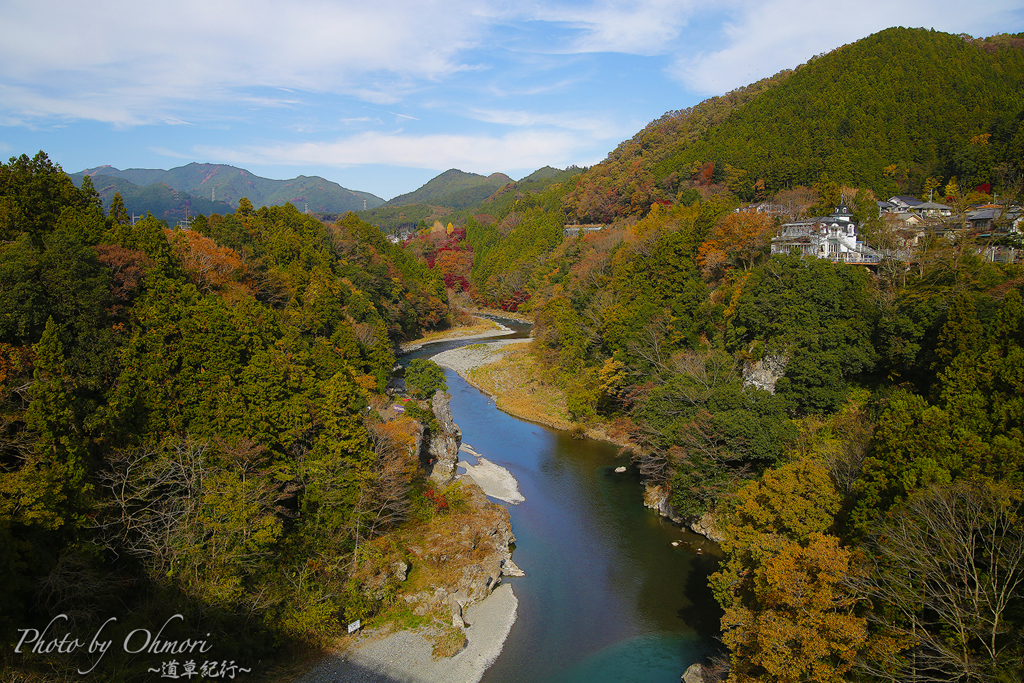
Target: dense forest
x=854 y=434
x=187 y=424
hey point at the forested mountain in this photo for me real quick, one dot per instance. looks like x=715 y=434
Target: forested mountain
x=228 y=184
x=463 y=203
x=186 y=406
x=159 y=199
x=184 y=423
x=453 y=189
x=885 y=113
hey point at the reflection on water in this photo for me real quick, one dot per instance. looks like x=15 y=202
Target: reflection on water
x=606 y=596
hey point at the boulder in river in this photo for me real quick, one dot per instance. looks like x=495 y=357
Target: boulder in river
x=694 y=674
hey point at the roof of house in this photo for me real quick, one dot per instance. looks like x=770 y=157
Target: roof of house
x=905 y=199
x=932 y=206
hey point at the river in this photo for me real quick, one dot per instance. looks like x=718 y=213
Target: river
x=607 y=597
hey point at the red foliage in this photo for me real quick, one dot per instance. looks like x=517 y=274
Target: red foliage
x=456 y=282
x=435 y=498
x=127 y=270
x=515 y=301
x=704 y=173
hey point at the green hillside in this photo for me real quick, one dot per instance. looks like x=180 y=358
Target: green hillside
x=158 y=199
x=461 y=205
x=454 y=189
x=887 y=112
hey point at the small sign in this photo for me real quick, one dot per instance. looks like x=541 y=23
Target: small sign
x=354 y=626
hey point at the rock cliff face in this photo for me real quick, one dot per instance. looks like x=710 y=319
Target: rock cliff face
x=694 y=674
x=763 y=374
x=657 y=498
x=707 y=527
x=443 y=443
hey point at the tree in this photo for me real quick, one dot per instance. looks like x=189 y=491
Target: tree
x=789 y=614
x=801 y=625
x=208 y=265
x=424 y=377
x=947 y=574
x=33 y=193
x=118 y=214
x=739 y=239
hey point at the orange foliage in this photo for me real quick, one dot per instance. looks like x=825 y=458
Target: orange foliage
x=451 y=262
x=805 y=629
x=738 y=239
x=208 y=265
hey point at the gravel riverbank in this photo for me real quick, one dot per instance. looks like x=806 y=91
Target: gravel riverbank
x=495 y=480
x=466 y=358
x=405 y=657
x=499 y=331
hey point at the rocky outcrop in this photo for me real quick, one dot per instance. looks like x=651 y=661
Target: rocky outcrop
x=473 y=558
x=657 y=497
x=694 y=674
x=443 y=441
x=764 y=373
x=707 y=527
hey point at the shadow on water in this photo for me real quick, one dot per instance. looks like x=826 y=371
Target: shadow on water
x=703 y=613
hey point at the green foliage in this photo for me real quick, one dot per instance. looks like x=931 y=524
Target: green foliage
x=844 y=117
x=33 y=194
x=424 y=377
x=819 y=316
x=207 y=446
x=454 y=189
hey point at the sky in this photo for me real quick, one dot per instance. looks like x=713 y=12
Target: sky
x=382 y=97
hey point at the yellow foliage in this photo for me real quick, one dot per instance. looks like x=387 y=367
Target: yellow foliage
x=802 y=628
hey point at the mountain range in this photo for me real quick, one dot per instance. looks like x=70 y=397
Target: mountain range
x=216 y=188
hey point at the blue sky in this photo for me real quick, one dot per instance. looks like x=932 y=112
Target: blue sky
x=382 y=98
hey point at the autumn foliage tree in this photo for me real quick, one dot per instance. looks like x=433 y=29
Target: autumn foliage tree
x=208 y=265
x=789 y=613
x=739 y=239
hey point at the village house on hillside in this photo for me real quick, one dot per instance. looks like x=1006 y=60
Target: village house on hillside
x=574 y=230
x=832 y=237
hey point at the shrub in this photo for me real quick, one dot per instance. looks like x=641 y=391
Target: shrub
x=424 y=377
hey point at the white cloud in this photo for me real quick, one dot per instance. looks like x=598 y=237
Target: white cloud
x=639 y=27
x=165 y=54
x=764 y=37
x=598 y=127
x=484 y=154
x=130 y=62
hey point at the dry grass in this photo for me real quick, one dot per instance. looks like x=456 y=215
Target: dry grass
x=448 y=641
x=438 y=551
x=516 y=381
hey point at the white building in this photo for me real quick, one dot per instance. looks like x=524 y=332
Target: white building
x=833 y=237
